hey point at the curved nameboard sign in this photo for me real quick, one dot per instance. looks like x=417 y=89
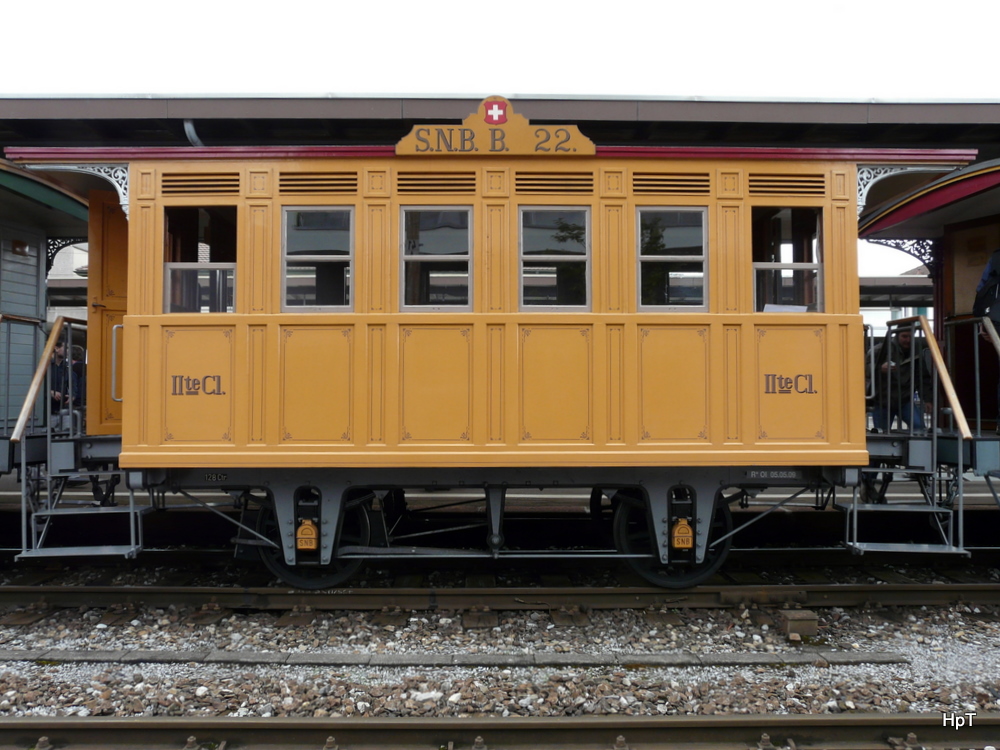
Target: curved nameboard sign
x=495 y=130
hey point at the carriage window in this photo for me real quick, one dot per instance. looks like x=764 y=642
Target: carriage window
x=436 y=257
x=672 y=258
x=555 y=252
x=199 y=259
x=788 y=259
x=318 y=247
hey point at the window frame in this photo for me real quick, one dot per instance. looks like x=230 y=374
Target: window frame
x=350 y=258
x=819 y=268
x=586 y=259
x=468 y=257
x=169 y=266
x=640 y=259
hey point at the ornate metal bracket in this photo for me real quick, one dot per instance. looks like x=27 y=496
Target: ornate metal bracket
x=923 y=250
x=54 y=244
x=869 y=174
x=116 y=174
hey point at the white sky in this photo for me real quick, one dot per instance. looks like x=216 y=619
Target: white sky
x=778 y=49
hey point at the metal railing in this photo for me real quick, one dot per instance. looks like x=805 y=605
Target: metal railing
x=21 y=334
x=62 y=329
x=983 y=335
x=903 y=389
x=907 y=373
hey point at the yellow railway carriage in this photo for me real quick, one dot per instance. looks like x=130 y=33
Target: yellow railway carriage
x=493 y=304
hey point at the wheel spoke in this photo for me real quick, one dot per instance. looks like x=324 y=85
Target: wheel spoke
x=355 y=530
x=633 y=537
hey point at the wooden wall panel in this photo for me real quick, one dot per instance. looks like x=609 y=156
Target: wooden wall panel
x=141 y=386
x=674 y=394
x=615 y=336
x=496 y=183
x=732 y=339
x=376 y=384
x=556 y=383
x=497 y=257
x=610 y=264
x=373 y=263
x=842 y=262
x=258 y=263
x=730 y=183
x=496 y=397
x=257 y=357
x=317 y=388
x=842 y=184
x=376 y=183
x=613 y=183
x=791 y=366
x=199 y=387
x=144 y=185
x=435 y=383
x=113 y=280
x=260 y=183
x=732 y=263
x=149 y=265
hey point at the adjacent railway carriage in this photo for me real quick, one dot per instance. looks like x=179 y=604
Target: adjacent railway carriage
x=490 y=306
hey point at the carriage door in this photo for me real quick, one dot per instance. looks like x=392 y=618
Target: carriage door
x=107 y=279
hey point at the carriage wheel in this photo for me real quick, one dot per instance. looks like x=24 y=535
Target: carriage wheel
x=634 y=536
x=355 y=530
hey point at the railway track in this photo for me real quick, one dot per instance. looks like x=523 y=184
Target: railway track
x=843 y=732
x=42 y=598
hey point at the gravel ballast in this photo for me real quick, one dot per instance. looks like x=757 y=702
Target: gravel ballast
x=939 y=660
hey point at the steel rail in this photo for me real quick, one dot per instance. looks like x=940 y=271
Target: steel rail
x=513 y=598
x=843 y=731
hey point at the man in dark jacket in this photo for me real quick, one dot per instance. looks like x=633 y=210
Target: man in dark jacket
x=64 y=386
x=987 y=305
x=902 y=370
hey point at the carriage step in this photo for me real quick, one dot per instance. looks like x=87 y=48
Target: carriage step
x=892 y=508
x=949 y=549
x=902 y=508
x=88 y=510
x=900 y=473
x=126 y=550
x=33 y=445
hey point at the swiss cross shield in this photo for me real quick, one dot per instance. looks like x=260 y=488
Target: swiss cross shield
x=496 y=112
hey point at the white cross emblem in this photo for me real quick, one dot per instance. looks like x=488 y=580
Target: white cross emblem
x=496 y=113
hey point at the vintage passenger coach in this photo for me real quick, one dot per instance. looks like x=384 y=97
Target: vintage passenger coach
x=490 y=305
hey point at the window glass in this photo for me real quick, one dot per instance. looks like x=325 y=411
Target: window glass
x=672 y=258
x=555 y=252
x=437 y=251
x=787 y=259
x=199 y=258
x=318 y=254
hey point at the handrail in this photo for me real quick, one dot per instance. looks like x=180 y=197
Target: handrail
x=991 y=331
x=870 y=365
x=20 y=319
x=942 y=371
x=39 y=377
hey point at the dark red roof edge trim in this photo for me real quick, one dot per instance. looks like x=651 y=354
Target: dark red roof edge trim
x=116 y=154
x=868 y=155
x=166 y=153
